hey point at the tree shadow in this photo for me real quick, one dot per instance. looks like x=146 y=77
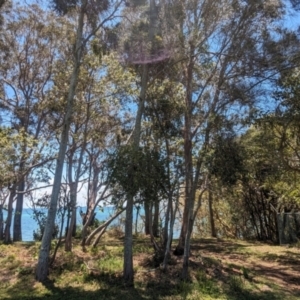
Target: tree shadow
x=217 y=246
x=110 y=287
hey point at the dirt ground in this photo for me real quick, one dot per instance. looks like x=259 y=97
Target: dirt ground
x=253 y=270
x=266 y=265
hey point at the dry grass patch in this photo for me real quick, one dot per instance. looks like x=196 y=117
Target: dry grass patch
x=219 y=269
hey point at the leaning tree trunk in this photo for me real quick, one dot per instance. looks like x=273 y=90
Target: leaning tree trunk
x=43 y=261
x=91 y=213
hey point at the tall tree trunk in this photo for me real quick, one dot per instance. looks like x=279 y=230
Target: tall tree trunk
x=188 y=162
x=7 y=238
x=167 y=220
x=147 y=217
x=155 y=225
x=128 y=259
x=42 y=266
x=137 y=219
x=1 y=223
x=170 y=234
x=17 y=231
x=211 y=214
x=73 y=193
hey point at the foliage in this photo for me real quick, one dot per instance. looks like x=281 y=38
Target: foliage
x=226 y=160
x=40 y=216
x=12 y=144
x=138 y=171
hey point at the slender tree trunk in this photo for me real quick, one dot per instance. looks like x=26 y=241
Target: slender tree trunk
x=17 y=236
x=155 y=226
x=59 y=239
x=42 y=266
x=7 y=238
x=73 y=193
x=211 y=214
x=1 y=223
x=170 y=235
x=136 y=219
x=128 y=259
x=147 y=217
x=167 y=221
x=104 y=228
x=99 y=229
x=91 y=216
x=188 y=164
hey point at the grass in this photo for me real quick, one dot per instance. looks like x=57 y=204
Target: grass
x=224 y=269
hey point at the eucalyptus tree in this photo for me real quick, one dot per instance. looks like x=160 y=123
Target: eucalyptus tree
x=33 y=40
x=108 y=125
x=91 y=17
x=221 y=52
x=143 y=47
x=76 y=161
x=163 y=123
x=10 y=150
x=284 y=122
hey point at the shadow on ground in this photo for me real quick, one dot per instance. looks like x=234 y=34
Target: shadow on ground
x=108 y=287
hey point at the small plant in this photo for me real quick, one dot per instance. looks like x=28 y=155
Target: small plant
x=14 y=265
x=94 y=250
x=69 y=259
x=24 y=270
x=111 y=264
x=142 y=248
x=246 y=273
x=9 y=260
x=206 y=285
x=185 y=288
x=236 y=284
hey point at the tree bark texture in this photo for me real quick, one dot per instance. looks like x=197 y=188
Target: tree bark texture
x=128 y=259
x=1 y=223
x=17 y=231
x=42 y=266
x=211 y=214
x=147 y=216
x=155 y=225
x=7 y=236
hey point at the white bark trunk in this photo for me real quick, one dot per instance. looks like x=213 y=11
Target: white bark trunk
x=42 y=266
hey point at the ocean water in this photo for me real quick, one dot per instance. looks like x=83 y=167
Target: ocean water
x=29 y=224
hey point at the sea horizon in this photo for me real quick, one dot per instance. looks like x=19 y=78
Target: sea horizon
x=29 y=225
